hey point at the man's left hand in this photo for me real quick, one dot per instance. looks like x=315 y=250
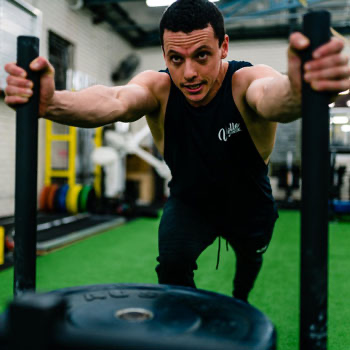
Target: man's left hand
x=327 y=71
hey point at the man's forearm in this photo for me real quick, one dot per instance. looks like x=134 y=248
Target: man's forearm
x=278 y=102
x=91 y=107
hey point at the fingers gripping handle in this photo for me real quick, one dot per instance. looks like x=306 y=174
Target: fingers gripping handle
x=26 y=172
x=316 y=26
x=314 y=209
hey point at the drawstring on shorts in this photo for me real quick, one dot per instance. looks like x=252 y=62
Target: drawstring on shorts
x=218 y=258
x=219 y=248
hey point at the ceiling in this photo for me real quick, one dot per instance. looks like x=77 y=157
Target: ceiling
x=244 y=19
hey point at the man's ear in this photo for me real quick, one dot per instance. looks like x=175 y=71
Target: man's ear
x=224 y=47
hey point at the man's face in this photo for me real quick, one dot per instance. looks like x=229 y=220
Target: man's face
x=194 y=61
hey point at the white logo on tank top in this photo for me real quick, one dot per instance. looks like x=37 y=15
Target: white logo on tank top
x=225 y=133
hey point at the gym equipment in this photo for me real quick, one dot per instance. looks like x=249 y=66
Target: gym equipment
x=336 y=173
x=70 y=140
x=72 y=198
x=288 y=179
x=134 y=316
x=2 y=245
x=47 y=198
x=55 y=230
x=113 y=158
x=314 y=228
x=60 y=198
x=26 y=173
x=43 y=198
x=51 y=197
x=341 y=207
x=314 y=209
x=142 y=316
x=83 y=198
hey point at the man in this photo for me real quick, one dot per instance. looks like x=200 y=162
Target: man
x=214 y=122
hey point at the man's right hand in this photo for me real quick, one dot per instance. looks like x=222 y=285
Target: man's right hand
x=19 y=89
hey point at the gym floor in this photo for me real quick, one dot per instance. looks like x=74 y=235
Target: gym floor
x=127 y=254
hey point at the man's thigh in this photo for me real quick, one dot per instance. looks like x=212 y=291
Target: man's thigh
x=184 y=231
x=253 y=236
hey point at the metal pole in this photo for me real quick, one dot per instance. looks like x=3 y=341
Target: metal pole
x=26 y=173
x=314 y=210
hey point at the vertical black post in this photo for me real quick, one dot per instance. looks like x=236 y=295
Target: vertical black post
x=314 y=210
x=26 y=173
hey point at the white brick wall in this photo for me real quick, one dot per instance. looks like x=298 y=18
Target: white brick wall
x=98 y=50
x=7 y=160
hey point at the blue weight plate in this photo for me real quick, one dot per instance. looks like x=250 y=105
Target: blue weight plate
x=61 y=198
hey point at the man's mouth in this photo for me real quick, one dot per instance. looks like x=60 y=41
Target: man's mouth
x=193 y=88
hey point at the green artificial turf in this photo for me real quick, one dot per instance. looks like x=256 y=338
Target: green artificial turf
x=127 y=254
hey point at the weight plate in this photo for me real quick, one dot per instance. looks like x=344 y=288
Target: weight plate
x=83 y=198
x=91 y=204
x=51 y=197
x=138 y=316
x=167 y=311
x=43 y=198
x=61 y=198
x=341 y=207
x=56 y=199
x=72 y=199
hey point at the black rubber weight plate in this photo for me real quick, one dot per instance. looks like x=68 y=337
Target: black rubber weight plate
x=171 y=312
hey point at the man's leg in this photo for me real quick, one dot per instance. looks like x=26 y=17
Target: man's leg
x=249 y=248
x=183 y=235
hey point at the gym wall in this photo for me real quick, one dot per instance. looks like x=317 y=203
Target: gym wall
x=97 y=51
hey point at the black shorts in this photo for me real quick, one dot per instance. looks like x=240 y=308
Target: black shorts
x=186 y=231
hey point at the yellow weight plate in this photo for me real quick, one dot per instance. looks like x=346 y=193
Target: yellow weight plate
x=72 y=199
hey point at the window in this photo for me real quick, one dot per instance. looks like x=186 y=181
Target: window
x=61 y=57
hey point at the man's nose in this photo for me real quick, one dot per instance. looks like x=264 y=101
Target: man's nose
x=190 y=72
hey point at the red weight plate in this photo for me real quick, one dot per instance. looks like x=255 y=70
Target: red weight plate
x=51 y=197
x=43 y=198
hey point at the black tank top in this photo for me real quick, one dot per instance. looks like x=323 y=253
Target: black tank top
x=212 y=158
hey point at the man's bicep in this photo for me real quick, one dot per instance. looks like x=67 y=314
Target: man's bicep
x=136 y=101
x=255 y=92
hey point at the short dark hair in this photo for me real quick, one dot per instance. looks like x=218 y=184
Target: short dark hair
x=189 y=15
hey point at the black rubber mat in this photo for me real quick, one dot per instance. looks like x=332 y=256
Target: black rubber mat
x=66 y=228
x=57 y=230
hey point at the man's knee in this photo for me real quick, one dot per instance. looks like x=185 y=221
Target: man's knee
x=252 y=249
x=175 y=272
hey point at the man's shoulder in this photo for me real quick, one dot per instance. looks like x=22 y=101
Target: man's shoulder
x=151 y=78
x=237 y=65
x=257 y=71
x=156 y=82
x=247 y=74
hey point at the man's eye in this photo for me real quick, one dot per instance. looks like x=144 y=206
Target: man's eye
x=203 y=55
x=175 y=59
